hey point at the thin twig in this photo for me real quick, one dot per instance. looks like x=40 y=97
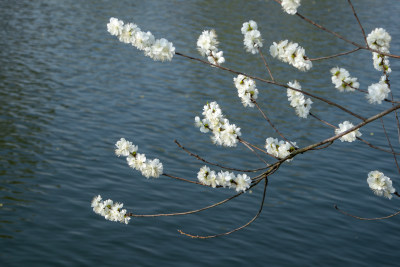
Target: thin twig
x=336 y=55
x=183 y=179
x=367 y=219
x=236 y=229
x=192 y=211
x=265 y=63
x=269 y=121
x=390 y=145
x=215 y=164
x=251 y=149
x=359 y=23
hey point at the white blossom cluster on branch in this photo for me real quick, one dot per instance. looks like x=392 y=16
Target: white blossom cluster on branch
x=207 y=44
x=350 y=137
x=377 y=92
x=297 y=100
x=279 y=149
x=379 y=39
x=252 y=37
x=148 y=167
x=291 y=53
x=290 y=6
x=130 y=33
x=241 y=182
x=224 y=133
x=380 y=184
x=110 y=210
x=342 y=80
x=247 y=90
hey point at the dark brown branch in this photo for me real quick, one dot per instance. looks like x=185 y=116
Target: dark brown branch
x=367 y=219
x=236 y=229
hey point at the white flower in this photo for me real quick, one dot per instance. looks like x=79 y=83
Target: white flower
x=350 y=137
x=158 y=50
x=207 y=42
x=379 y=39
x=124 y=148
x=377 y=92
x=161 y=50
x=225 y=178
x=342 y=80
x=292 y=54
x=207 y=45
x=380 y=184
x=243 y=182
x=298 y=101
x=152 y=168
x=290 y=6
x=115 y=26
x=381 y=62
x=128 y=33
x=279 y=149
x=110 y=210
x=224 y=133
x=252 y=37
x=247 y=90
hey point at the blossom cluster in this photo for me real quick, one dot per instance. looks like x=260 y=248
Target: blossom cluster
x=252 y=37
x=297 y=100
x=241 y=182
x=292 y=54
x=130 y=33
x=377 y=92
x=380 y=184
x=224 y=133
x=148 y=168
x=342 y=80
x=379 y=39
x=110 y=210
x=247 y=90
x=279 y=149
x=290 y=6
x=350 y=137
x=207 y=45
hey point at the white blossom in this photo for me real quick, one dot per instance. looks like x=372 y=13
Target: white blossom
x=124 y=148
x=279 y=149
x=377 y=92
x=297 y=100
x=161 y=50
x=158 y=50
x=207 y=42
x=380 y=184
x=242 y=182
x=291 y=53
x=208 y=177
x=252 y=37
x=224 y=133
x=247 y=90
x=342 y=80
x=381 y=62
x=350 y=137
x=137 y=161
x=379 y=39
x=115 y=26
x=110 y=210
x=152 y=168
x=290 y=6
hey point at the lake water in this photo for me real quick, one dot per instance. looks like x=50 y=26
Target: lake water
x=69 y=90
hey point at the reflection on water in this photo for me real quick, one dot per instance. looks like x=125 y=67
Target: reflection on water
x=69 y=90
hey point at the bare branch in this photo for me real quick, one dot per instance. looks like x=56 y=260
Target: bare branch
x=367 y=219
